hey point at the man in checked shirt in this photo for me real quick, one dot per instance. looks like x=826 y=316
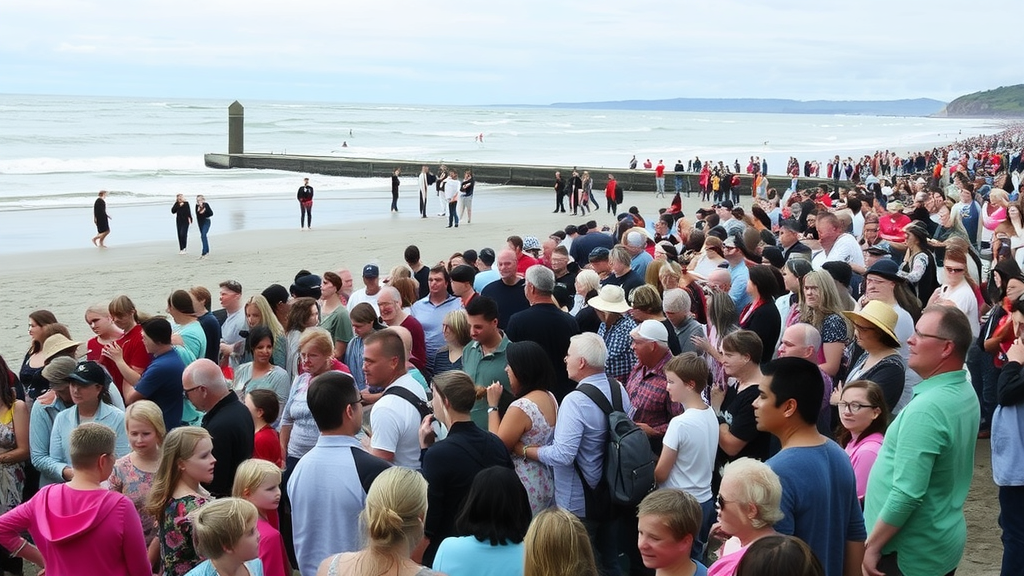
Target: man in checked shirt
x=647 y=386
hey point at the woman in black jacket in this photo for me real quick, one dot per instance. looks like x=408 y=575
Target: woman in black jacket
x=761 y=316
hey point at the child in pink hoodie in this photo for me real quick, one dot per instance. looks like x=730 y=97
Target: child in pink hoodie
x=80 y=528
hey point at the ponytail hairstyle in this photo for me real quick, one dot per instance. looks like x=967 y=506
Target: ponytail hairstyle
x=396 y=505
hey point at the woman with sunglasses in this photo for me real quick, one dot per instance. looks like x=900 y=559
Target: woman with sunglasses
x=958 y=289
x=881 y=362
x=748 y=506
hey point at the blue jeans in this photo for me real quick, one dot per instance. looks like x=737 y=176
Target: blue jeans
x=984 y=377
x=204 y=228
x=1011 y=502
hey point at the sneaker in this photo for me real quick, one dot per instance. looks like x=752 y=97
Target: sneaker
x=183 y=252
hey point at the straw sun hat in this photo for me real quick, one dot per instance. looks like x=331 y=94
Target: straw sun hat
x=881 y=316
x=57 y=343
x=610 y=299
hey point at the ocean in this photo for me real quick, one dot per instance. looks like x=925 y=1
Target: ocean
x=56 y=152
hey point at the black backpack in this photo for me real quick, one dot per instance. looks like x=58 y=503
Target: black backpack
x=422 y=407
x=628 y=459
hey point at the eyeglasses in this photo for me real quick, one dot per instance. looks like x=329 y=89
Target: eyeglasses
x=954 y=270
x=919 y=334
x=721 y=502
x=853 y=407
x=187 y=390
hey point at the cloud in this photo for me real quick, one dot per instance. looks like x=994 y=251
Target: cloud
x=531 y=51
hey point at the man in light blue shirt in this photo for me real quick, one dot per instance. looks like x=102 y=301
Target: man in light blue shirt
x=485 y=271
x=432 y=309
x=328 y=487
x=44 y=411
x=580 y=436
x=737 y=271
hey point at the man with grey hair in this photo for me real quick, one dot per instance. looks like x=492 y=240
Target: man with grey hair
x=622 y=274
x=636 y=243
x=677 y=303
x=803 y=341
x=544 y=323
x=580 y=435
x=391 y=312
x=227 y=420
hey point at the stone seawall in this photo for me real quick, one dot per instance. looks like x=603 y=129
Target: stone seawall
x=501 y=174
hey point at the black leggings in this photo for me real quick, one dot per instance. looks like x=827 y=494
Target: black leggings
x=182 y=236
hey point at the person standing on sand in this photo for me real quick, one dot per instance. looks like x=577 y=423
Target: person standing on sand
x=395 y=182
x=305 y=198
x=423 y=184
x=466 y=194
x=183 y=218
x=442 y=175
x=559 y=193
x=610 y=194
x=203 y=213
x=101 y=219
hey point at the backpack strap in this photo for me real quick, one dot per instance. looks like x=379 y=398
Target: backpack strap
x=595 y=395
x=407 y=395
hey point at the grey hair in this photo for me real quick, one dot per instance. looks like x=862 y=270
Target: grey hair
x=393 y=292
x=635 y=239
x=620 y=255
x=811 y=336
x=589 y=279
x=759 y=485
x=541 y=278
x=591 y=348
x=676 y=300
x=204 y=372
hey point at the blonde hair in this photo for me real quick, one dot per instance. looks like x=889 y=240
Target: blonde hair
x=267 y=316
x=557 y=545
x=458 y=324
x=679 y=511
x=220 y=524
x=829 y=302
x=396 y=505
x=179 y=445
x=88 y=442
x=588 y=279
x=253 y=473
x=146 y=411
x=319 y=338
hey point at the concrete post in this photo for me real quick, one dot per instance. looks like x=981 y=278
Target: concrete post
x=236 y=128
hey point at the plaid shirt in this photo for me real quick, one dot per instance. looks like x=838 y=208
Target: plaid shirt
x=621 y=358
x=648 y=393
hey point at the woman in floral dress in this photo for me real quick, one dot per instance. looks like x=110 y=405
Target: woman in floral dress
x=133 y=474
x=530 y=419
x=14 y=452
x=187 y=460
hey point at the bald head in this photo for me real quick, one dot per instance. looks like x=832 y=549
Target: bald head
x=719 y=279
x=800 y=341
x=204 y=384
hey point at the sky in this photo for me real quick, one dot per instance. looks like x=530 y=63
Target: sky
x=478 y=52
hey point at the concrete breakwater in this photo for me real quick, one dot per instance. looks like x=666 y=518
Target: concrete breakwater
x=500 y=174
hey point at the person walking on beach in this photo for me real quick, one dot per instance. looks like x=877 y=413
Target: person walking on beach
x=394 y=189
x=101 y=219
x=203 y=214
x=424 y=183
x=442 y=175
x=559 y=193
x=466 y=195
x=576 y=189
x=659 y=179
x=611 y=195
x=451 y=193
x=183 y=218
x=305 y=198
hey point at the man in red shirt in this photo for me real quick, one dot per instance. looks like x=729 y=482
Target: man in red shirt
x=659 y=179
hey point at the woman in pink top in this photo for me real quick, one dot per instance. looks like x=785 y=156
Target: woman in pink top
x=748 y=506
x=80 y=527
x=865 y=416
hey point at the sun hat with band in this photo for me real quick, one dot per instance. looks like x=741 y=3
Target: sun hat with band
x=56 y=344
x=58 y=371
x=882 y=316
x=610 y=299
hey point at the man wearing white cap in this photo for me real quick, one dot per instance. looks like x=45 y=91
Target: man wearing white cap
x=647 y=386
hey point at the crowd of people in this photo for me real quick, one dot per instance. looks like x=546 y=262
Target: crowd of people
x=811 y=375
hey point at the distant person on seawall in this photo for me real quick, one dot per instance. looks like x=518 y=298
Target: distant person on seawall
x=394 y=189
x=305 y=198
x=183 y=219
x=632 y=163
x=101 y=219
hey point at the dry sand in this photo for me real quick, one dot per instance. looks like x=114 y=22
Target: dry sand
x=68 y=281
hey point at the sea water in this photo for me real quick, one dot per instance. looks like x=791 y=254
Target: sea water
x=56 y=152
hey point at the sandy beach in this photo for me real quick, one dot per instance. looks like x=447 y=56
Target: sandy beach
x=67 y=281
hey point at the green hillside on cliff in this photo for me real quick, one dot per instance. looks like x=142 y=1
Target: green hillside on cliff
x=1005 y=101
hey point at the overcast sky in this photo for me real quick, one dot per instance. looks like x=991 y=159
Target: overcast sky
x=527 y=51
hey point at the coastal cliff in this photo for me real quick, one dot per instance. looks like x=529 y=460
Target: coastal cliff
x=1002 y=102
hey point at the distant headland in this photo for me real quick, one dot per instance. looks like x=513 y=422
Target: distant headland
x=1002 y=102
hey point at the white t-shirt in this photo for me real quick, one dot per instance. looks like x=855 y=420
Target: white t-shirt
x=694 y=436
x=395 y=424
x=963 y=297
x=361 y=296
x=846 y=249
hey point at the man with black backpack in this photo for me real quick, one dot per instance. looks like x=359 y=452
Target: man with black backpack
x=396 y=416
x=581 y=443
